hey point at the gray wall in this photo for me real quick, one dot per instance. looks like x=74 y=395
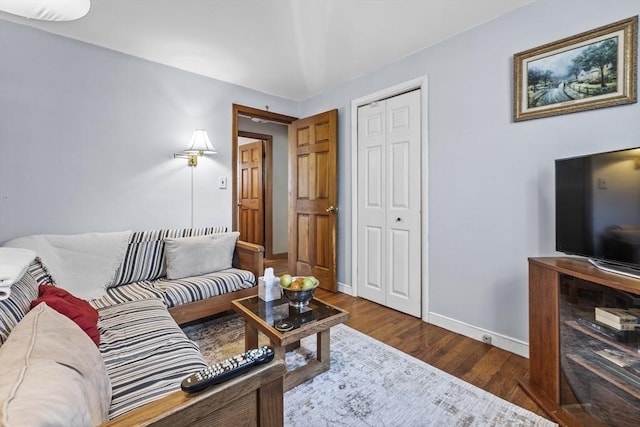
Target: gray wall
x=491 y=194
x=87 y=137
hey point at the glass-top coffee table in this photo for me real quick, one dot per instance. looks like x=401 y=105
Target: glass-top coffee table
x=285 y=326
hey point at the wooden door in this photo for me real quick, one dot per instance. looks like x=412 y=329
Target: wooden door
x=313 y=197
x=389 y=203
x=250 y=192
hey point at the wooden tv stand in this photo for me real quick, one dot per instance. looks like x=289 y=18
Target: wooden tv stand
x=562 y=293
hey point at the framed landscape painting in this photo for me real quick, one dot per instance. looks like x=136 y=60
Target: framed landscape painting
x=591 y=70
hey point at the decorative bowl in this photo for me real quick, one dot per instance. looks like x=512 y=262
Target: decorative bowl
x=298 y=298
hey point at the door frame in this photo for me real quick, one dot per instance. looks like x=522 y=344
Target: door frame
x=250 y=112
x=418 y=83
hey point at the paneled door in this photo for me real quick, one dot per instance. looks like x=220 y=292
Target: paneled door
x=250 y=192
x=313 y=197
x=389 y=202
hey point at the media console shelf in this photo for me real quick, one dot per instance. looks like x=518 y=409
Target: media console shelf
x=572 y=376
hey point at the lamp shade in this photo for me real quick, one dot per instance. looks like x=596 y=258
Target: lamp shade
x=47 y=10
x=200 y=143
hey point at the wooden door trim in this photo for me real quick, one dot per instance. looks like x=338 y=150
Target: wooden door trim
x=236 y=110
x=419 y=83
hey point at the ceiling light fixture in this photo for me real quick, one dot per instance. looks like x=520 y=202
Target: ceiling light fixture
x=47 y=10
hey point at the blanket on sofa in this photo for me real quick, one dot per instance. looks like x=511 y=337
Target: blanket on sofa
x=13 y=264
x=84 y=264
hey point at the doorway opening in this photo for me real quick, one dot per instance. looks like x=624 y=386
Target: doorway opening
x=265 y=212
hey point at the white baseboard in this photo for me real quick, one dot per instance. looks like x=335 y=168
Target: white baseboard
x=504 y=342
x=345 y=289
x=512 y=345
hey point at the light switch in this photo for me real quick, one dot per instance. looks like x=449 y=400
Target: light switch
x=222 y=182
x=602 y=183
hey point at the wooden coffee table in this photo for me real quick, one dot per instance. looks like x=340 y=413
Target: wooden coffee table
x=317 y=318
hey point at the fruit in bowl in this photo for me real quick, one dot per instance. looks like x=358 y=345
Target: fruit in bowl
x=299 y=289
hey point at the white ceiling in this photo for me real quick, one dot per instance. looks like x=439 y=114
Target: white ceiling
x=290 y=48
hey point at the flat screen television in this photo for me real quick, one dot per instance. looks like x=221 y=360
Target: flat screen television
x=598 y=209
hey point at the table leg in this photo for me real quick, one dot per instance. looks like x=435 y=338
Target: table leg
x=250 y=336
x=323 y=347
x=279 y=350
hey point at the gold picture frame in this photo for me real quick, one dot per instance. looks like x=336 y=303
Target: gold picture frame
x=595 y=69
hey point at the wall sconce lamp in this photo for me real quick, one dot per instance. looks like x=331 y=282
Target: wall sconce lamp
x=198 y=146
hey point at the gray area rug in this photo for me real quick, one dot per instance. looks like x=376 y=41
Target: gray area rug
x=370 y=384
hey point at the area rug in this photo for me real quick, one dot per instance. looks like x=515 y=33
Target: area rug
x=370 y=384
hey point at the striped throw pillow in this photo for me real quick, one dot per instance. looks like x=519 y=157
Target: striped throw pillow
x=14 y=308
x=144 y=259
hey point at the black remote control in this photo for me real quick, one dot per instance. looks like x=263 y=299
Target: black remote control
x=227 y=369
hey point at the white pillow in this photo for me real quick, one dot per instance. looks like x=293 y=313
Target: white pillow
x=51 y=373
x=194 y=256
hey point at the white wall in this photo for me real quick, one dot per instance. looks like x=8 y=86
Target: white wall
x=87 y=137
x=491 y=181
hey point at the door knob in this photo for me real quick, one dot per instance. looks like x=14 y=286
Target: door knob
x=398 y=219
x=332 y=209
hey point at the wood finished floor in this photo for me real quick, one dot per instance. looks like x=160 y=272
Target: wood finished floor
x=489 y=368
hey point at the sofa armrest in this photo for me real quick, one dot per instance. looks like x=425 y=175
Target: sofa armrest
x=255 y=398
x=249 y=256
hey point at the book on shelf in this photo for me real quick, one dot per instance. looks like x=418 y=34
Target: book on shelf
x=620 y=358
x=627 y=337
x=616 y=315
x=615 y=325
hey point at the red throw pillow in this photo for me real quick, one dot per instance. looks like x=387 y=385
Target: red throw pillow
x=76 y=309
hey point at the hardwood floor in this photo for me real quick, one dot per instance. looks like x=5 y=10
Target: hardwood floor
x=490 y=368
x=279 y=265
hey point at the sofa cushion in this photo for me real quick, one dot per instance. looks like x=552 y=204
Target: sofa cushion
x=146 y=354
x=190 y=289
x=76 y=309
x=193 y=256
x=126 y=293
x=51 y=373
x=144 y=259
x=14 y=308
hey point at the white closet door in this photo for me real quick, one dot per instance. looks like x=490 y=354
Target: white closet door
x=372 y=201
x=404 y=199
x=389 y=234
